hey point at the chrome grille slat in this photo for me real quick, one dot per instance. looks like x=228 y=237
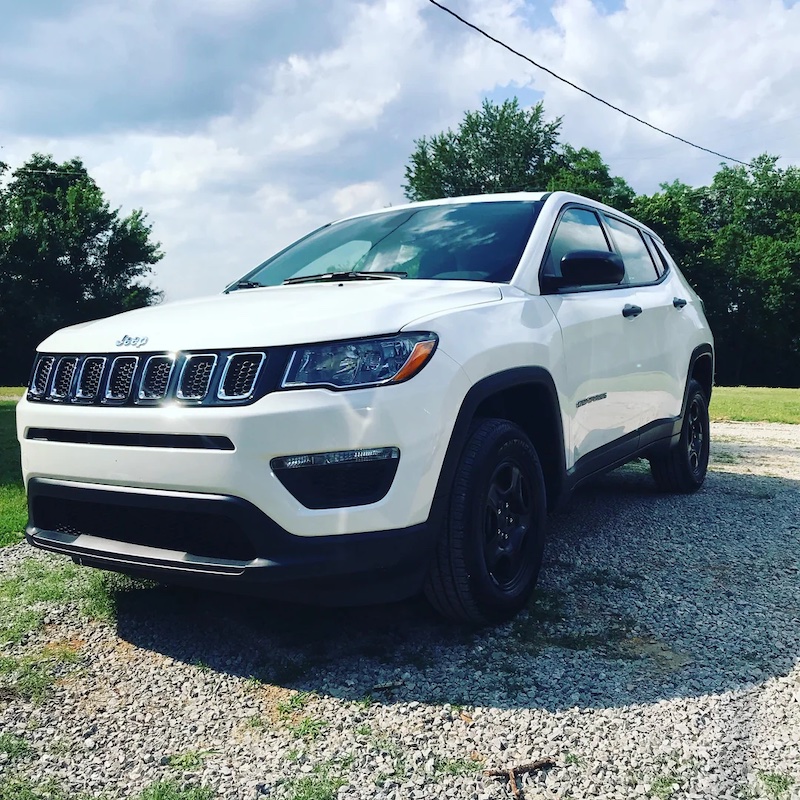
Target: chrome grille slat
x=240 y=375
x=155 y=377
x=41 y=375
x=196 y=376
x=62 y=377
x=89 y=378
x=120 y=378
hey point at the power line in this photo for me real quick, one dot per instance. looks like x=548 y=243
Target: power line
x=581 y=89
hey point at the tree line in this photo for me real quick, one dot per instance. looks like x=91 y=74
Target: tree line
x=66 y=256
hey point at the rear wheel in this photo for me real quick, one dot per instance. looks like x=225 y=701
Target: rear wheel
x=488 y=557
x=683 y=468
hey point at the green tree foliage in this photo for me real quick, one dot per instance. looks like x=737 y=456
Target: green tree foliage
x=506 y=148
x=584 y=172
x=738 y=242
x=65 y=257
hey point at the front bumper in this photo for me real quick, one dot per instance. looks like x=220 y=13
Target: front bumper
x=223 y=542
x=177 y=449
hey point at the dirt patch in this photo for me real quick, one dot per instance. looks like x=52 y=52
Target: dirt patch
x=750 y=448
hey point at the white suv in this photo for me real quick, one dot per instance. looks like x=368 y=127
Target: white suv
x=391 y=403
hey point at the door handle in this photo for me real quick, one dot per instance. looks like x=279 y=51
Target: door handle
x=631 y=311
x=678 y=302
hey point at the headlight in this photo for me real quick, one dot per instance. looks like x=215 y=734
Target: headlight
x=365 y=362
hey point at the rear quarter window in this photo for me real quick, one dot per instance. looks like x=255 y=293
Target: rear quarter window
x=639 y=266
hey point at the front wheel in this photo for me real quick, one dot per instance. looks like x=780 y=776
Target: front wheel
x=683 y=468
x=488 y=557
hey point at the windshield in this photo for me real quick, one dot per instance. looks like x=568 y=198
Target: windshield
x=468 y=241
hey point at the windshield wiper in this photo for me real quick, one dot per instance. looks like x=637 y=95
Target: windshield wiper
x=249 y=285
x=352 y=275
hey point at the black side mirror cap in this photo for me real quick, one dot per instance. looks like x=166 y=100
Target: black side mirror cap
x=586 y=268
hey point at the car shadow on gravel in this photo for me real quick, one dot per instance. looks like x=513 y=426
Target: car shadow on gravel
x=642 y=597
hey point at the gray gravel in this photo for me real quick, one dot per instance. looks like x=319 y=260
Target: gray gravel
x=659 y=660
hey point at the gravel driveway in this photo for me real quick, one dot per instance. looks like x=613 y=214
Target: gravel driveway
x=660 y=659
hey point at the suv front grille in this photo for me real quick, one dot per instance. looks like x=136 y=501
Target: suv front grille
x=218 y=378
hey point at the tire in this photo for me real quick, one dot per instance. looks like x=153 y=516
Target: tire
x=683 y=468
x=489 y=554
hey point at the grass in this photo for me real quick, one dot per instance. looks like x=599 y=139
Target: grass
x=307 y=728
x=297 y=702
x=664 y=787
x=13 y=746
x=26 y=592
x=188 y=761
x=19 y=789
x=755 y=404
x=31 y=676
x=457 y=766
x=167 y=790
x=14 y=788
x=776 y=785
x=323 y=784
x=13 y=509
x=364 y=730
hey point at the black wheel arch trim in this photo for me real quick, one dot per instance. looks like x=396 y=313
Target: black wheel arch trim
x=517 y=377
x=700 y=352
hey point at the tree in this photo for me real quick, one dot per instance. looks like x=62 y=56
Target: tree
x=65 y=257
x=738 y=242
x=584 y=172
x=506 y=148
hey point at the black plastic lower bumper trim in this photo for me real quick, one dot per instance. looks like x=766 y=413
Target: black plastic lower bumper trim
x=360 y=567
x=190 y=441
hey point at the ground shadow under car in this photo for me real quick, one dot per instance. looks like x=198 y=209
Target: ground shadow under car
x=642 y=597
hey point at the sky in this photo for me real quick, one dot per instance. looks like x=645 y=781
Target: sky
x=240 y=125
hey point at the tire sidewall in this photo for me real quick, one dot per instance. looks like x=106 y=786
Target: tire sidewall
x=512 y=444
x=696 y=477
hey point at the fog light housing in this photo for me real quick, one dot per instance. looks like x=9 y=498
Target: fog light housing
x=338 y=479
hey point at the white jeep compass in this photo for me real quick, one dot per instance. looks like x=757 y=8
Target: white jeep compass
x=388 y=405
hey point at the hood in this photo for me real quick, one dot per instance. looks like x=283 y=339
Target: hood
x=274 y=316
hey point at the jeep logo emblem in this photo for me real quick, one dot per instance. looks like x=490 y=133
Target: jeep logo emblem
x=132 y=341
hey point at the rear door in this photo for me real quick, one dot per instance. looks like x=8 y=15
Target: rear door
x=653 y=332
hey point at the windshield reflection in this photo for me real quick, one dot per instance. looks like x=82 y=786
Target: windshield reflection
x=480 y=241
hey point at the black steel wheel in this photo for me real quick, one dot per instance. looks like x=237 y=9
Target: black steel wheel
x=488 y=557
x=683 y=468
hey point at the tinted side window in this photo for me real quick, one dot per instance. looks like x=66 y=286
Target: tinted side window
x=578 y=229
x=658 y=259
x=639 y=267
x=664 y=255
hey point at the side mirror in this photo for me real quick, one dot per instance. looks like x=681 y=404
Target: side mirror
x=587 y=268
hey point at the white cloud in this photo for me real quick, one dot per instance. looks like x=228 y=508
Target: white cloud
x=359 y=197
x=239 y=126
